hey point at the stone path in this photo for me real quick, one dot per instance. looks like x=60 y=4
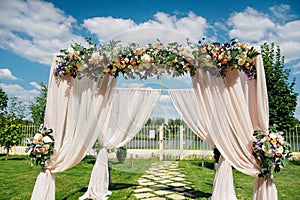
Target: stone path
x=164 y=181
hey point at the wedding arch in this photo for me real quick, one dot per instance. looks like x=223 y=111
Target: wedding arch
x=227 y=104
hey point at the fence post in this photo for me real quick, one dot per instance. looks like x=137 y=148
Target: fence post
x=181 y=143
x=161 y=141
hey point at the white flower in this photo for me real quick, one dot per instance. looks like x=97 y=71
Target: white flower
x=47 y=139
x=267 y=151
x=70 y=50
x=186 y=52
x=145 y=58
x=272 y=135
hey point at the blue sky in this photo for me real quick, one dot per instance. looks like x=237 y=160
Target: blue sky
x=32 y=31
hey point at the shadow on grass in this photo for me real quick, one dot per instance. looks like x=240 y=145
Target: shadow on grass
x=295 y=162
x=120 y=186
x=187 y=192
x=115 y=186
x=209 y=165
x=12 y=157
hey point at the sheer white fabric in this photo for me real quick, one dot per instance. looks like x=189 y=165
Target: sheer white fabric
x=72 y=111
x=130 y=110
x=223 y=181
x=229 y=109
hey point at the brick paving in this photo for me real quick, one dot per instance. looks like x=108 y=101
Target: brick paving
x=164 y=181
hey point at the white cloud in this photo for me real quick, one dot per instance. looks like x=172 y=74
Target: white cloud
x=250 y=25
x=281 y=12
x=15 y=90
x=6 y=74
x=35 y=29
x=256 y=27
x=36 y=85
x=164 y=27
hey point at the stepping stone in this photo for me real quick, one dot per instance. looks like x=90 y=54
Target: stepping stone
x=177 y=179
x=157 y=178
x=140 y=190
x=147 y=183
x=177 y=184
x=165 y=181
x=162 y=192
x=156 y=198
x=143 y=195
x=176 y=196
x=143 y=180
x=166 y=176
x=160 y=187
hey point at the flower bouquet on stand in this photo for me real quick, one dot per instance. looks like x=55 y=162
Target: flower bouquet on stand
x=272 y=151
x=41 y=147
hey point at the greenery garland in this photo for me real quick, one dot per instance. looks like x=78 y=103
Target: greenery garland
x=154 y=60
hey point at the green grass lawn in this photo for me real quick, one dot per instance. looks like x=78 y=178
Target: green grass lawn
x=17 y=179
x=287 y=181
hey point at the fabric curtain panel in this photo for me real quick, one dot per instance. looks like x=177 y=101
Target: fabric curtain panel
x=130 y=110
x=72 y=111
x=229 y=110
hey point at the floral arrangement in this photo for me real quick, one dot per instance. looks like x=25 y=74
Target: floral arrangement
x=41 y=147
x=227 y=57
x=154 y=60
x=272 y=151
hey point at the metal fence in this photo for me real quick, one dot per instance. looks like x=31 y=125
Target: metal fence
x=293 y=138
x=178 y=137
x=163 y=137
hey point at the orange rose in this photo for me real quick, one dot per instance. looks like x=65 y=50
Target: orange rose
x=139 y=51
x=35 y=141
x=133 y=62
x=159 y=46
x=223 y=61
x=273 y=141
x=243 y=45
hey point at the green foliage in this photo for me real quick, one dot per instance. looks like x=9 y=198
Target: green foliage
x=10 y=135
x=17 y=110
x=155 y=121
x=3 y=106
x=3 y=101
x=281 y=94
x=37 y=107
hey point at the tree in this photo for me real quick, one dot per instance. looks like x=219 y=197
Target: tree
x=37 y=107
x=155 y=121
x=10 y=134
x=3 y=105
x=17 y=110
x=281 y=95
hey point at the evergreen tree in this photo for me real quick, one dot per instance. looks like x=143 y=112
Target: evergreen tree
x=281 y=95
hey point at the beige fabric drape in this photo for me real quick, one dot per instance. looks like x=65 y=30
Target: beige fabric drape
x=72 y=111
x=198 y=119
x=130 y=109
x=230 y=110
